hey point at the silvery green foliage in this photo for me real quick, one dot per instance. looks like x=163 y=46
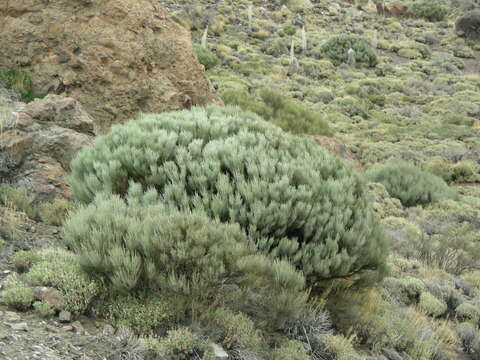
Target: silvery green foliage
x=288 y=194
x=133 y=247
x=411 y=185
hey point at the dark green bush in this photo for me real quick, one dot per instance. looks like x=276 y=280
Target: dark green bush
x=294 y=199
x=281 y=111
x=432 y=10
x=336 y=49
x=206 y=57
x=411 y=185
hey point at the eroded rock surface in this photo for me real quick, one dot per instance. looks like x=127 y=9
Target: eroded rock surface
x=117 y=57
x=38 y=141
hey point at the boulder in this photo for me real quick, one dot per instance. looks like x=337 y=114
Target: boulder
x=49 y=295
x=468 y=25
x=37 y=142
x=117 y=57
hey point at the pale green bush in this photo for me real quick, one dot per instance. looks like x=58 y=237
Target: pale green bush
x=292 y=197
x=412 y=186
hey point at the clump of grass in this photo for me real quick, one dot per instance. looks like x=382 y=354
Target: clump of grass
x=17 y=199
x=43 y=308
x=54 y=213
x=16 y=294
x=20 y=82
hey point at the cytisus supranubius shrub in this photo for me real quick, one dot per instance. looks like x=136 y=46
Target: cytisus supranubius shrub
x=294 y=199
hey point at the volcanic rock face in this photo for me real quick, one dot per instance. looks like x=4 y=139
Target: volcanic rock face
x=117 y=57
x=37 y=142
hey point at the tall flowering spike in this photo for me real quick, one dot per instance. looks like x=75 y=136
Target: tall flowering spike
x=304 y=39
x=204 y=37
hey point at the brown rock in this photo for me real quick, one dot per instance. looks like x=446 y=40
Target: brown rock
x=65 y=317
x=117 y=57
x=399 y=9
x=39 y=140
x=49 y=295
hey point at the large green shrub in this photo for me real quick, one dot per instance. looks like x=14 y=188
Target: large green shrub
x=336 y=49
x=290 y=195
x=411 y=185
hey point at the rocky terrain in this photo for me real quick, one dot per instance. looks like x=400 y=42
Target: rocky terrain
x=415 y=100
x=115 y=57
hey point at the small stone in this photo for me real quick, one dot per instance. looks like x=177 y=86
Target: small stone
x=51 y=328
x=391 y=354
x=77 y=326
x=218 y=351
x=65 y=316
x=6 y=272
x=108 y=330
x=20 y=326
x=12 y=316
x=66 y=328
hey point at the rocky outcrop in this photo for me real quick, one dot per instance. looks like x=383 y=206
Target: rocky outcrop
x=38 y=141
x=117 y=57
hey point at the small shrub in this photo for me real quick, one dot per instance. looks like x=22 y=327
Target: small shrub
x=141 y=314
x=180 y=344
x=206 y=57
x=43 y=308
x=55 y=213
x=232 y=329
x=468 y=25
x=291 y=350
x=468 y=335
x=336 y=49
x=341 y=347
x=411 y=185
x=2 y=243
x=17 y=199
x=59 y=269
x=469 y=310
x=20 y=82
x=432 y=10
x=431 y=305
x=23 y=260
x=16 y=294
